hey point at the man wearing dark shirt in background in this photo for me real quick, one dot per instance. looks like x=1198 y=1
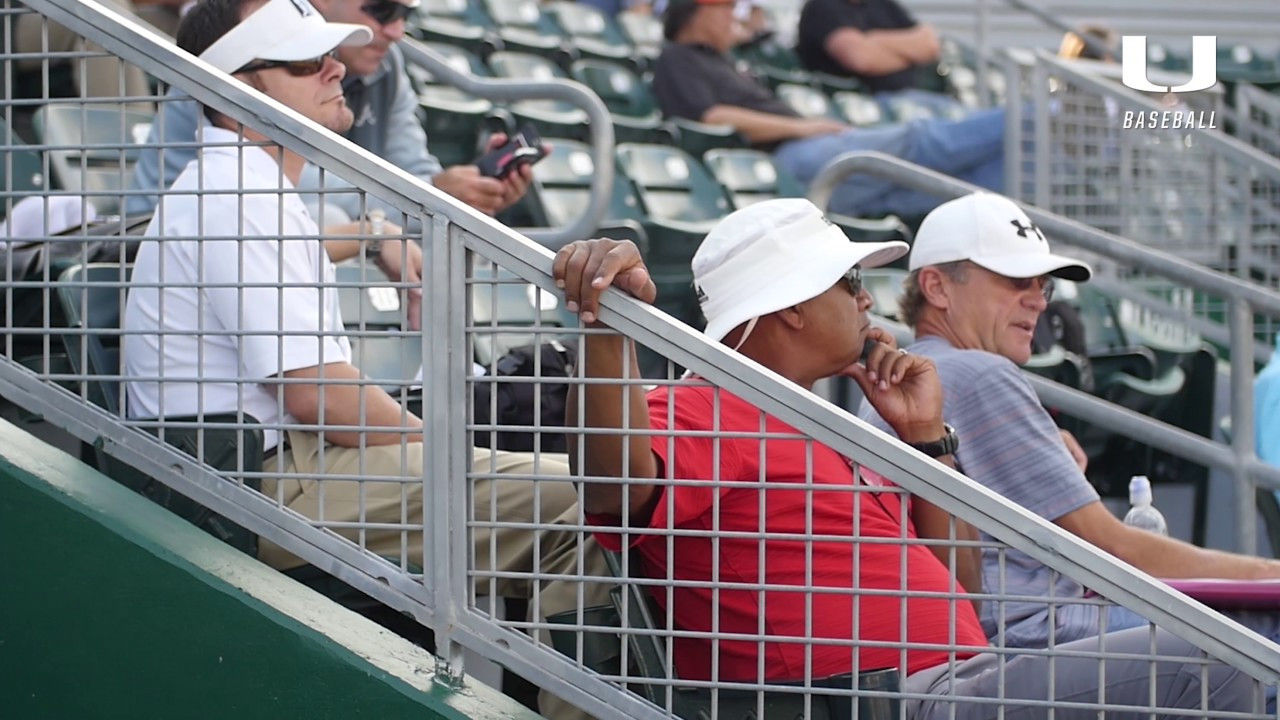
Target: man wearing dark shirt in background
x=876 y=41
x=695 y=79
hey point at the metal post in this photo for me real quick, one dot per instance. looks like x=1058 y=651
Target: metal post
x=1242 y=424
x=984 y=53
x=1015 y=124
x=443 y=468
x=1040 y=94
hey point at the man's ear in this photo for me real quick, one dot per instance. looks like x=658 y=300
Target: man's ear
x=934 y=287
x=793 y=317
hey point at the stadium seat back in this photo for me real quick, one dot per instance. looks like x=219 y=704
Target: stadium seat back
x=101 y=146
x=23 y=170
x=672 y=185
x=92 y=297
x=809 y=102
x=618 y=86
x=859 y=109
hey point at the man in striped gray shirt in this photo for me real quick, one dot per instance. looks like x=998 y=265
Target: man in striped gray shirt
x=981 y=274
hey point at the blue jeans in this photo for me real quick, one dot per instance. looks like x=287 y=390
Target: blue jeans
x=971 y=149
x=1266 y=624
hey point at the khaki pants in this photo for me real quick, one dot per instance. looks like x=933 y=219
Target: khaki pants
x=523 y=551
x=97 y=77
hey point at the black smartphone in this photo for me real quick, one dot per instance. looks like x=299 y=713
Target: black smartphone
x=524 y=148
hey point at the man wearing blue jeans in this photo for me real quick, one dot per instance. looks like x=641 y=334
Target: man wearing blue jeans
x=695 y=79
x=980 y=275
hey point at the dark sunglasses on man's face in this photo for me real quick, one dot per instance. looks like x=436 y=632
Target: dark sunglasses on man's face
x=853 y=279
x=386 y=11
x=296 y=68
x=1025 y=284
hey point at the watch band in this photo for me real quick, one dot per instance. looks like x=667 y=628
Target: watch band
x=945 y=445
x=373 y=245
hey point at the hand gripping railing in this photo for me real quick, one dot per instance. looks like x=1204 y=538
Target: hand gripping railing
x=1244 y=298
x=569 y=91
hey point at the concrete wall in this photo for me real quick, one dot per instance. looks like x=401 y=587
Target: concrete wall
x=112 y=608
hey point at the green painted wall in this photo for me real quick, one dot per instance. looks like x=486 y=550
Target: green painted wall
x=112 y=608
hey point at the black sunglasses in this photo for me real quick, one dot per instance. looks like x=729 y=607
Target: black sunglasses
x=387 y=11
x=1024 y=284
x=296 y=68
x=853 y=279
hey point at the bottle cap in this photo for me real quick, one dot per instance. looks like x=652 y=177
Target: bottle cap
x=1139 y=490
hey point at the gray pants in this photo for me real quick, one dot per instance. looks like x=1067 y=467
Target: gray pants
x=1025 y=679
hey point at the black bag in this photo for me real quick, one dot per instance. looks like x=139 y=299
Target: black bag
x=515 y=400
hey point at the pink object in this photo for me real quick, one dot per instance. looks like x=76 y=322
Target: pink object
x=1231 y=594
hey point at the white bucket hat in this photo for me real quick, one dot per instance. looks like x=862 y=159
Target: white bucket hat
x=772 y=255
x=282 y=30
x=992 y=232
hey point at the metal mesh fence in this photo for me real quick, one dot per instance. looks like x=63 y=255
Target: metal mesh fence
x=1160 y=171
x=345 y=398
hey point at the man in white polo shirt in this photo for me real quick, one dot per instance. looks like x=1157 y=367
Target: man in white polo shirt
x=233 y=309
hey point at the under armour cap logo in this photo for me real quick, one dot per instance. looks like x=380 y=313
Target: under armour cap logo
x=304 y=8
x=1022 y=229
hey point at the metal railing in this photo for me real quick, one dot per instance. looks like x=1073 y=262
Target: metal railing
x=1245 y=299
x=419 y=529
x=1087 y=150
x=1257 y=118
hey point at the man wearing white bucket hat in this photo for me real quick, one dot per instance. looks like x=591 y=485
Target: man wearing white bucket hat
x=709 y=474
x=981 y=274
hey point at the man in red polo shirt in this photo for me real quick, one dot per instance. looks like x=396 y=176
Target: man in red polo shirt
x=790 y=565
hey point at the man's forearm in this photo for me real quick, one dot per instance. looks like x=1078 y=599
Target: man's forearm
x=1167 y=557
x=758 y=127
x=612 y=406
x=380 y=419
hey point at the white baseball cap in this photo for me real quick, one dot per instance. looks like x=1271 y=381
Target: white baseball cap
x=992 y=232
x=282 y=30
x=772 y=255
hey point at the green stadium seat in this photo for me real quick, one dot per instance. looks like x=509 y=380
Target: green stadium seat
x=552 y=118
x=500 y=299
x=523 y=27
x=1057 y=365
x=750 y=176
x=594 y=34
x=456 y=22
x=776 y=63
x=23 y=170
x=809 y=102
x=905 y=109
x=1102 y=330
x=681 y=201
x=696 y=138
x=885 y=286
x=629 y=99
x=859 y=109
x=1241 y=63
x=645 y=33
x=100 y=148
x=455 y=121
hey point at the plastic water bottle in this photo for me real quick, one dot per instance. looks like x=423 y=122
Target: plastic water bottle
x=1143 y=514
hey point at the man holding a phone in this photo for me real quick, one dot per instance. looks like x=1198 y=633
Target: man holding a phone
x=379 y=93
